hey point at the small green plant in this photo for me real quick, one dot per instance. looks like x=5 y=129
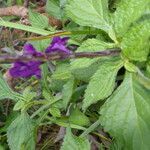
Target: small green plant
x=88 y=95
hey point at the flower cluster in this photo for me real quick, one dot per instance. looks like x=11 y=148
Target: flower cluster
x=32 y=68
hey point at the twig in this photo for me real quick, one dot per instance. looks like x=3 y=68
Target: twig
x=60 y=56
x=26 y=3
x=14 y=10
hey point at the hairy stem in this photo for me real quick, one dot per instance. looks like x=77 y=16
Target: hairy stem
x=60 y=56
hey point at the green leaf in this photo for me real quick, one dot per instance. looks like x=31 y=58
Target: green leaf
x=135 y=44
x=55 y=8
x=62 y=72
x=38 y=20
x=130 y=67
x=148 y=68
x=64 y=122
x=90 y=45
x=127 y=12
x=55 y=112
x=78 y=118
x=102 y=83
x=142 y=79
x=85 y=74
x=28 y=95
x=92 y=13
x=24 y=27
x=47 y=95
x=21 y=133
x=125 y=115
x=67 y=92
x=7 y=92
x=91 y=128
x=1 y=147
x=74 y=143
x=61 y=75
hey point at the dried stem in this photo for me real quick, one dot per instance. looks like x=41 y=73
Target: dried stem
x=26 y=3
x=14 y=10
x=59 y=56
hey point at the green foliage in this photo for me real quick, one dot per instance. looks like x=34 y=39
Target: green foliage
x=6 y=92
x=92 y=13
x=125 y=115
x=67 y=91
x=75 y=143
x=38 y=20
x=24 y=27
x=21 y=133
x=56 y=8
x=84 y=68
x=55 y=112
x=127 y=12
x=78 y=118
x=102 y=83
x=60 y=76
x=135 y=43
x=118 y=86
x=90 y=45
x=26 y=102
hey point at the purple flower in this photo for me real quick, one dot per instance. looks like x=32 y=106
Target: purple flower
x=32 y=68
x=27 y=69
x=58 y=45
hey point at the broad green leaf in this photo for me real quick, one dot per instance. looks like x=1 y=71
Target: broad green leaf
x=53 y=8
x=72 y=142
x=102 y=83
x=7 y=92
x=67 y=91
x=38 y=20
x=90 y=45
x=125 y=115
x=84 y=74
x=127 y=12
x=78 y=118
x=135 y=44
x=21 y=133
x=92 y=13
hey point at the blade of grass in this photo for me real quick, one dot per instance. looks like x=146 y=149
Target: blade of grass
x=24 y=27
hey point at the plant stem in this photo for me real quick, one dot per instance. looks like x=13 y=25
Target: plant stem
x=60 y=56
x=43 y=108
x=62 y=33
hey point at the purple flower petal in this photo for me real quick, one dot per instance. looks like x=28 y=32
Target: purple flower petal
x=30 y=50
x=59 y=40
x=27 y=69
x=58 y=45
